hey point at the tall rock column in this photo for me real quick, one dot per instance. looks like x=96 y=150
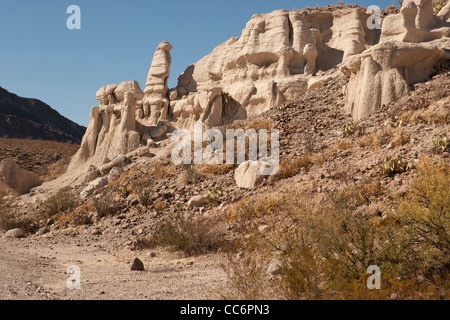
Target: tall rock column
x=156 y=101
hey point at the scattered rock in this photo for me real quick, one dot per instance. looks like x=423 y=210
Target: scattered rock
x=137 y=265
x=274 y=268
x=196 y=201
x=15 y=233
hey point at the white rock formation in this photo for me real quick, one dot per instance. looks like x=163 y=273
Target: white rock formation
x=18 y=179
x=408 y=51
x=156 y=102
x=269 y=64
x=279 y=56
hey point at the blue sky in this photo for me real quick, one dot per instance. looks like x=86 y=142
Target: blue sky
x=40 y=58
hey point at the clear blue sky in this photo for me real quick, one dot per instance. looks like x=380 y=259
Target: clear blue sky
x=40 y=58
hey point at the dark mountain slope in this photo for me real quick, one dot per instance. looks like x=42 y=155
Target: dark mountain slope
x=27 y=118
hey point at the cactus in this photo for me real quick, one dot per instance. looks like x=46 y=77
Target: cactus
x=396 y=122
x=349 y=129
x=214 y=197
x=442 y=142
x=393 y=166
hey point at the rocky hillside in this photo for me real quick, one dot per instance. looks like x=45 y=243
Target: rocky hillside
x=27 y=118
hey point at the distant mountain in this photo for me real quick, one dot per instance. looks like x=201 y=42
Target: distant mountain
x=27 y=118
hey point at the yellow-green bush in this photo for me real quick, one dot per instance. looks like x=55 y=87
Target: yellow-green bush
x=326 y=247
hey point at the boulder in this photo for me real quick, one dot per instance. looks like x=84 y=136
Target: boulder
x=91 y=174
x=15 y=233
x=196 y=201
x=249 y=174
x=18 y=179
x=128 y=86
x=93 y=186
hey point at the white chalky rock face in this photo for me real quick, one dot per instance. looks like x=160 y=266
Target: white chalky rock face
x=18 y=179
x=269 y=64
x=278 y=57
x=412 y=42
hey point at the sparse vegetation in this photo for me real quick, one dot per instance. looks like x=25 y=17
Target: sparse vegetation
x=143 y=188
x=191 y=175
x=393 y=166
x=182 y=232
x=349 y=129
x=105 y=205
x=442 y=142
x=325 y=248
x=215 y=196
x=59 y=203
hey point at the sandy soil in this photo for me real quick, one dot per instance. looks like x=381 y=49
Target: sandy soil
x=36 y=269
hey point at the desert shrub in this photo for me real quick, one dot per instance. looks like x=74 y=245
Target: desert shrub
x=426 y=213
x=305 y=160
x=344 y=145
x=182 y=232
x=399 y=138
x=396 y=122
x=160 y=206
x=360 y=194
x=105 y=205
x=124 y=191
x=80 y=216
x=10 y=220
x=324 y=248
x=217 y=169
x=287 y=168
x=58 y=203
x=143 y=188
x=190 y=175
x=161 y=170
x=349 y=129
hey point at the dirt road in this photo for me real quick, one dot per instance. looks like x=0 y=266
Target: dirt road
x=36 y=269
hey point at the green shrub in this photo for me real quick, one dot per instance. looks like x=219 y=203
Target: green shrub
x=58 y=203
x=105 y=205
x=181 y=232
x=215 y=196
x=426 y=213
x=442 y=142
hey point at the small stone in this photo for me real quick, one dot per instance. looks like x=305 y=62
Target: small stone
x=137 y=265
x=274 y=268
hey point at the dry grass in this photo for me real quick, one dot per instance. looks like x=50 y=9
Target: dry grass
x=399 y=137
x=436 y=113
x=58 y=203
x=216 y=170
x=324 y=248
x=377 y=139
x=82 y=215
x=184 y=233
